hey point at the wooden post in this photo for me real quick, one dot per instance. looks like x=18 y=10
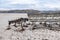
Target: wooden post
x=22 y=27
x=8 y=26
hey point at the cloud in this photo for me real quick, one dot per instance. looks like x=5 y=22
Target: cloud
x=23 y=1
x=20 y=4
x=30 y=4
x=52 y=5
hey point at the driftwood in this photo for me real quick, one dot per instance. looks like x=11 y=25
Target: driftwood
x=34 y=25
x=17 y=21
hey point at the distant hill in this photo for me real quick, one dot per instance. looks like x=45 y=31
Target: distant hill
x=29 y=11
x=20 y=11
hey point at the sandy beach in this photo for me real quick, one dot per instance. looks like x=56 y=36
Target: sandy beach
x=38 y=34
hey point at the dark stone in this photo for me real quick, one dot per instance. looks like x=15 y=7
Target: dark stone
x=8 y=28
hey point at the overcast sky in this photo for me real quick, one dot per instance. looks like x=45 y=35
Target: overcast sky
x=30 y=4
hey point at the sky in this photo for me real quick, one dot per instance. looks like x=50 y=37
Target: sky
x=30 y=4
